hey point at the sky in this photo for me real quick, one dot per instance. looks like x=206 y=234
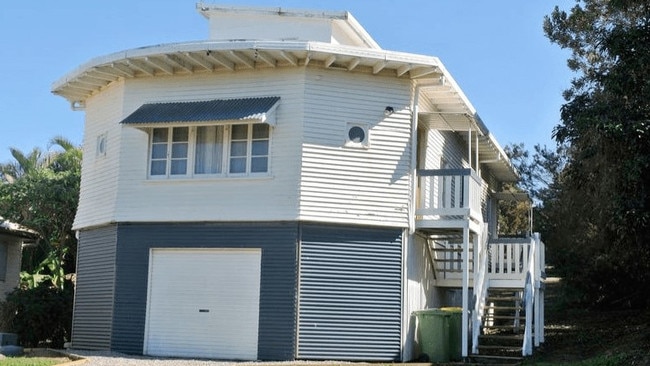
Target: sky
x=495 y=50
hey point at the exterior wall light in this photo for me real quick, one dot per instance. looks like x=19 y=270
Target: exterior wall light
x=388 y=111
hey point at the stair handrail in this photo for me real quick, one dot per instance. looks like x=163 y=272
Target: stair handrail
x=481 y=285
x=529 y=296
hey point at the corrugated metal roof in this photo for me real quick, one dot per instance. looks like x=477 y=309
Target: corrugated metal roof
x=16 y=229
x=208 y=110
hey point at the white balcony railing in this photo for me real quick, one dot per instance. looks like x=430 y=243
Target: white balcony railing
x=446 y=194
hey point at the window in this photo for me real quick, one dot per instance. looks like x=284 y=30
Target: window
x=211 y=150
x=100 y=150
x=357 y=135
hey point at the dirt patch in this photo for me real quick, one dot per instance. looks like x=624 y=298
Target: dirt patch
x=47 y=353
x=577 y=334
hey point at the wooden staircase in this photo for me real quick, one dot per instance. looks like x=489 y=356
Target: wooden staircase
x=501 y=341
x=448 y=263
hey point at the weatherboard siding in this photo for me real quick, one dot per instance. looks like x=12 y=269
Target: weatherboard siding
x=211 y=199
x=95 y=289
x=420 y=292
x=277 y=314
x=355 y=185
x=98 y=190
x=115 y=188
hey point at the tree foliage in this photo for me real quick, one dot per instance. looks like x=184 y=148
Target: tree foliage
x=40 y=316
x=40 y=191
x=599 y=212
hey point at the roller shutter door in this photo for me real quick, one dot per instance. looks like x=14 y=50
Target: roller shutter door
x=203 y=303
x=350 y=295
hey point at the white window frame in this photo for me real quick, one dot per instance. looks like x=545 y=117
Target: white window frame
x=225 y=156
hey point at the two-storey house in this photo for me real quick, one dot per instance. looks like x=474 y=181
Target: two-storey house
x=279 y=191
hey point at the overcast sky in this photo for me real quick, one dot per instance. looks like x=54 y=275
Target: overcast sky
x=496 y=51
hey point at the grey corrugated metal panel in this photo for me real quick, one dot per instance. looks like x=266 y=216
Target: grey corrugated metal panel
x=208 y=110
x=93 y=307
x=350 y=299
x=277 y=319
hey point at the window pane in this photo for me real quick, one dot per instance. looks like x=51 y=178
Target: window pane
x=259 y=165
x=159 y=151
x=209 y=150
x=160 y=134
x=179 y=167
x=260 y=148
x=181 y=134
x=158 y=167
x=238 y=148
x=239 y=132
x=179 y=150
x=238 y=165
x=260 y=131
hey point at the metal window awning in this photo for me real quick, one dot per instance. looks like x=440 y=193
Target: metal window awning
x=245 y=109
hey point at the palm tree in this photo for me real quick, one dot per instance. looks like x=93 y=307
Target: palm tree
x=24 y=164
x=66 y=160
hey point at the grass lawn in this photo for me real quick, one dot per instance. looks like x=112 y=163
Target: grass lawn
x=35 y=357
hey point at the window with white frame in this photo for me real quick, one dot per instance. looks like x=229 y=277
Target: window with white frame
x=209 y=150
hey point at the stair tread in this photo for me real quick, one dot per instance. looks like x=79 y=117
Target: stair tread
x=494 y=327
x=496 y=316
x=499 y=347
x=503 y=298
x=517 y=337
x=505 y=307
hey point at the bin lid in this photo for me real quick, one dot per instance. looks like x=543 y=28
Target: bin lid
x=454 y=309
x=429 y=312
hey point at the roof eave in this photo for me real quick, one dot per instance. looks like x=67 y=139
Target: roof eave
x=209 y=56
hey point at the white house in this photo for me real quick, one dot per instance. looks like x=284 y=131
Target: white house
x=286 y=189
x=12 y=239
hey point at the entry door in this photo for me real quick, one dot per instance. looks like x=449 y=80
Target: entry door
x=203 y=303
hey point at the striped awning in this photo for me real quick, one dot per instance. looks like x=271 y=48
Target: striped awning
x=245 y=109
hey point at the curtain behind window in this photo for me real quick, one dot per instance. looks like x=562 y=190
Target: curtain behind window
x=209 y=150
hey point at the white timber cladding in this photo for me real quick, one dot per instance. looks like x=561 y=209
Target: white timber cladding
x=355 y=185
x=13 y=252
x=97 y=197
x=221 y=320
x=420 y=290
x=137 y=198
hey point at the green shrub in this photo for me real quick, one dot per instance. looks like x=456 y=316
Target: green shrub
x=40 y=316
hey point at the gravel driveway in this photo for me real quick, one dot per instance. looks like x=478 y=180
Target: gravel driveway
x=103 y=358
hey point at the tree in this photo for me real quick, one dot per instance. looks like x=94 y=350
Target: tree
x=42 y=194
x=603 y=201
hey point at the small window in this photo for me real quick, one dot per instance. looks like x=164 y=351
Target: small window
x=357 y=135
x=100 y=149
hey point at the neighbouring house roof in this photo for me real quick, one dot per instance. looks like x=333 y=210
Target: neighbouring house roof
x=16 y=230
x=208 y=110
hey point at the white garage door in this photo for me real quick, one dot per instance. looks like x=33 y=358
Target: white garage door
x=203 y=303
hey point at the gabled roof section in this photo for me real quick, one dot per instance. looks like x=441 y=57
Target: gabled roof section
x=249 y=109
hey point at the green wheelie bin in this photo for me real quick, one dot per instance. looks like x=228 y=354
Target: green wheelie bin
x=433 y=334
x=455 y=332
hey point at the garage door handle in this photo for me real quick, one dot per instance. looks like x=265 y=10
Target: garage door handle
x=204 y=310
